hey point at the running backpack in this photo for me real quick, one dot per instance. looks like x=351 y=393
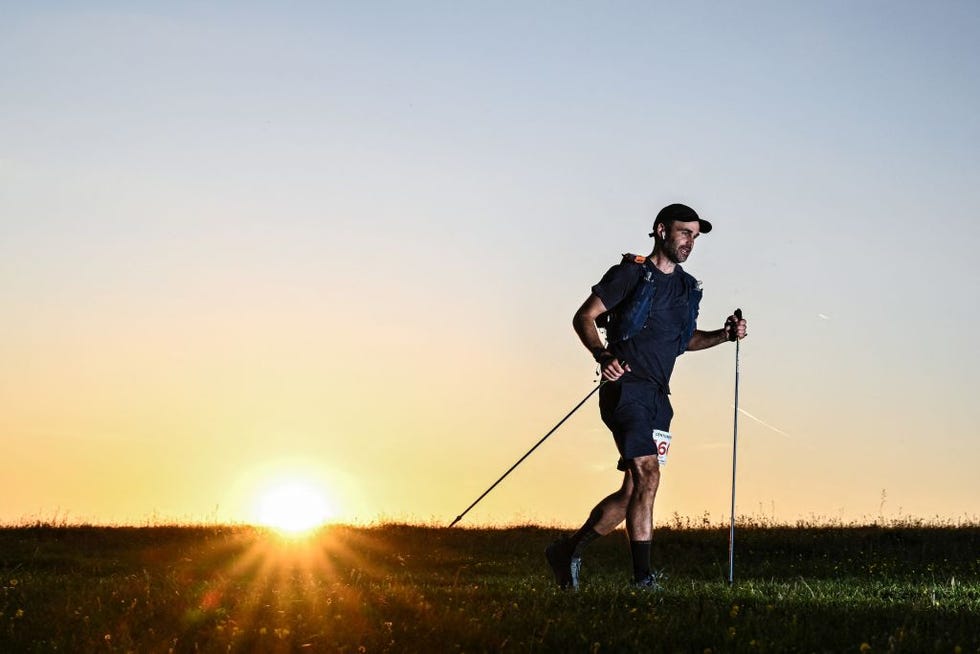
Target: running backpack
x=627 y=318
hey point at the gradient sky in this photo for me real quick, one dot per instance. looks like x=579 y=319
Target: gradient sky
x=344 y=242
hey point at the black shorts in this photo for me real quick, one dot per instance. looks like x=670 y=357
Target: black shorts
x=632 y=409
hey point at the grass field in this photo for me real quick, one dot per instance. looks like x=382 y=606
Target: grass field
x=400 y=588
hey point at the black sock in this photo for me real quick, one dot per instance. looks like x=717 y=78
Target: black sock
x=586 y=533
x=640 y=550
x=581 y=538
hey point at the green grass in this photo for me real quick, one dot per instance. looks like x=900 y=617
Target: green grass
x=400 y=588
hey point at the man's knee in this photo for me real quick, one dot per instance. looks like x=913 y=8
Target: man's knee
x=646 y=472
x=626 y=489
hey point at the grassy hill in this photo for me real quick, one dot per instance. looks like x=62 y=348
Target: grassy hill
x=402 y=588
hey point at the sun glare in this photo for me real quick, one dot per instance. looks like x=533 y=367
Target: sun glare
x=293 y=507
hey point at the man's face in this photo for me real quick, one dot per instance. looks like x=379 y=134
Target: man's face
x=679 y=240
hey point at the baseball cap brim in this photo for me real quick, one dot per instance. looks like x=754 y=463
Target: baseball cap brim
x=681 y=213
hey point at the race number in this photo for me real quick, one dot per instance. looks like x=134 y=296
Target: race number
x=662 y=440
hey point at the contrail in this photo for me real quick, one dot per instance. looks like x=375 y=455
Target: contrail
x=764 y=423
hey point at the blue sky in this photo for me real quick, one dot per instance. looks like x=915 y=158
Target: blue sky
x=354 y=234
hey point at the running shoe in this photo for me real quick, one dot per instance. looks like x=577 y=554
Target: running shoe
x=565 y=566
x=651 y=582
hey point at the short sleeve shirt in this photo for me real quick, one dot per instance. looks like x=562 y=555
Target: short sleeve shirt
x=652 y=352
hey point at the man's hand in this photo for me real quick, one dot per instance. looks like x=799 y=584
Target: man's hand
x=735 y=326
x=611 y=367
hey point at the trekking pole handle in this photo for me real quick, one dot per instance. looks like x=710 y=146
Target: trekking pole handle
x=733 y=336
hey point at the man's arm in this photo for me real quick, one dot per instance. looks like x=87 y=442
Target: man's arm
x=703 y=340
x=588 y=333
x=585 y=327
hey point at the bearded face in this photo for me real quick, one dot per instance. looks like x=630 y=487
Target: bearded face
x=678 y=240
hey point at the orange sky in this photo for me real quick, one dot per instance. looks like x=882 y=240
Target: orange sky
x=345 y=245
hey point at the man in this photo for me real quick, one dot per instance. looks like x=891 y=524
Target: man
x=649 y=308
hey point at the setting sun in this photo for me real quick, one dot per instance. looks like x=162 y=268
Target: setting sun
x=293 y=507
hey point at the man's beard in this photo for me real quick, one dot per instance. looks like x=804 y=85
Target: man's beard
x=674 y=253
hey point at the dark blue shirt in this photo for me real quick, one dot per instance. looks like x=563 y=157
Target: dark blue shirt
x=651 y=353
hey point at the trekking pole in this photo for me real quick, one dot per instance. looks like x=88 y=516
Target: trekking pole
x=543 y=439
x=731 y=532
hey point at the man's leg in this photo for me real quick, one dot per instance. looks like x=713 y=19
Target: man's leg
x=564 y=555
x=639 y=512
x=606 y=516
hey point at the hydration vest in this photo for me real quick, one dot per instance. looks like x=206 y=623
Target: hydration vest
x=628 y=318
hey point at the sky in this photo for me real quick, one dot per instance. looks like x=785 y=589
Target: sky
x=340 y=244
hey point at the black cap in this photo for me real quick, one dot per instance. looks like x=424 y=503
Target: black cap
x=682 y=213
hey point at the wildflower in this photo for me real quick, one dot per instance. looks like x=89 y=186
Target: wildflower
x=19 y=613
x=865 y=648
x=13 y=582
x=734 y=612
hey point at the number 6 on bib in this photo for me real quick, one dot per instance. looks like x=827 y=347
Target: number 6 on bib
x=662 y=439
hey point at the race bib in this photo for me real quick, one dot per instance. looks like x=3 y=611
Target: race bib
x=662 y=440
